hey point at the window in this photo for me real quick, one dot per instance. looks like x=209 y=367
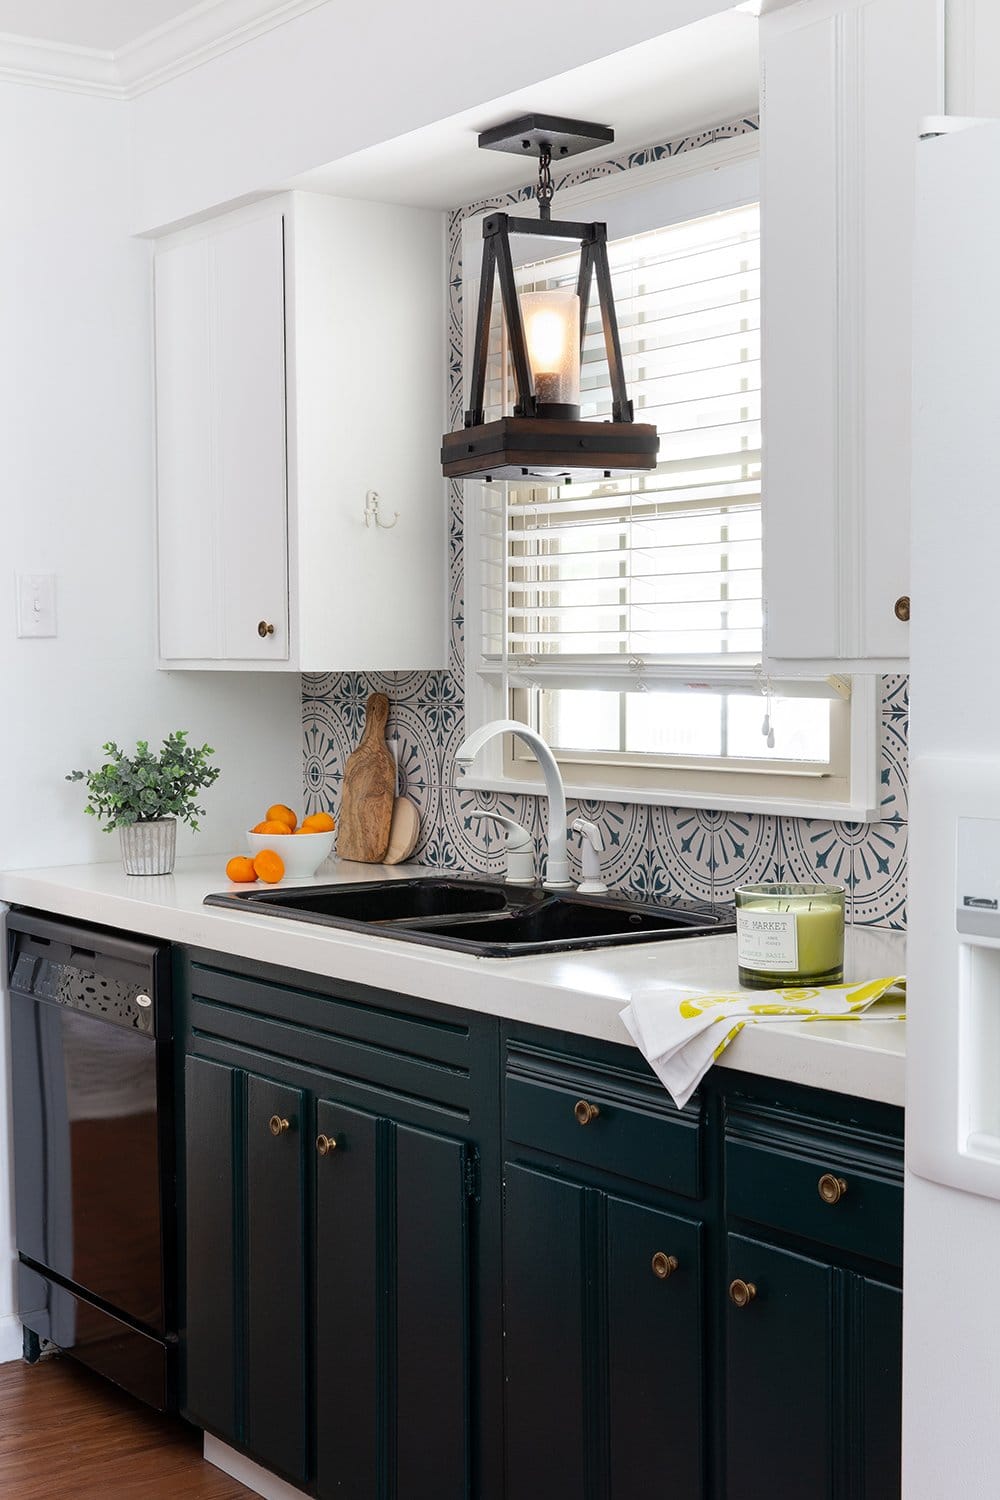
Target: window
x=624 y=619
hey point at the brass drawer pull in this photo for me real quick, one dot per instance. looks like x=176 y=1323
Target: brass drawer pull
x=742 y=1293
x=325 y=1144
x=584 y=1111
x=664 y=1266
x=264 y=629
x=901 y=608
x=277 y=1125
x=831 y=1189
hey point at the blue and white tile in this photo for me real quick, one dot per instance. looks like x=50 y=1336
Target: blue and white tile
x=326 y=744
x=895 y=694
x=879 y=878
x=893 y=768
x=815 y=851
x=682 y=842
x=746 y=849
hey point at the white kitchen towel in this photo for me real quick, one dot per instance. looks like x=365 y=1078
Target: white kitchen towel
x=681 y=1035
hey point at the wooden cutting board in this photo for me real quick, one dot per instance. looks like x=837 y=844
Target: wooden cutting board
x=369 y=790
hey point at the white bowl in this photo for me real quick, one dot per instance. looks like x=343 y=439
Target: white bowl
x=303 y=853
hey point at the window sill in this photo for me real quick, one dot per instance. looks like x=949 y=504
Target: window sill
x=787 y=807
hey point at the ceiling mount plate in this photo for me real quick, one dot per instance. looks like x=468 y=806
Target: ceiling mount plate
x=527 y=135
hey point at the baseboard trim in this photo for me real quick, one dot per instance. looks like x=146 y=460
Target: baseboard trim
x=10 y=1338
x=256 y=1478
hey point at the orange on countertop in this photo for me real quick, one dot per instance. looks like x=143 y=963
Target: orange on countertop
x=272 y=825
x=269 y=866
x=240 y=870
x=320 y=822
x=279 y=813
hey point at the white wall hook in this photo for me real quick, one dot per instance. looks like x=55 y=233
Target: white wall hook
x=371 y=512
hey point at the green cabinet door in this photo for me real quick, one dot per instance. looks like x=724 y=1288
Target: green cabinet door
x=550 y=1354
x=654 y=1301
x=392 y=1310
x=603 y=1344
x=210 y=1315
x=879 y=1451
x=275 y=1276
x=779 y=1375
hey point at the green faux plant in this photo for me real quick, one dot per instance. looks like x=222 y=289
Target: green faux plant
x=138 y=788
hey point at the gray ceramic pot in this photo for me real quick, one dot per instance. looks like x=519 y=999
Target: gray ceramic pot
x=149 y=848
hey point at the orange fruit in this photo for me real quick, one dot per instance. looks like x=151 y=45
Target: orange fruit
x=240 y=869
x=320 y=822
x=279 y=813
x=269 y=866
x=272 y=825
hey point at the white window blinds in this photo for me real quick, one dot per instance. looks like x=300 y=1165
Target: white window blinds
x=664 y=568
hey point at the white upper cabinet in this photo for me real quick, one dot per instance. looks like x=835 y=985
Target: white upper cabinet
x=845 y=85
x=299 y=366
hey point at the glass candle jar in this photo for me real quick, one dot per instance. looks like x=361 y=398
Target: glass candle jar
x=790 y=935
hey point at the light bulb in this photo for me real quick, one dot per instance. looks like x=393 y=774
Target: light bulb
x=552 y=335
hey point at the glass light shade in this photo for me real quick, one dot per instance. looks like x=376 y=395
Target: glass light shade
x=552 y=334
x=790 y=935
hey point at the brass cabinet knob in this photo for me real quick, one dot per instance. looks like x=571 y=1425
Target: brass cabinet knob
x=901 y=608
x=325 y=1144
x=277 y=1126
x=831 y=1189
x=584 y=1111
x=264 y=628
x=664 y=1265
x=742 y=1293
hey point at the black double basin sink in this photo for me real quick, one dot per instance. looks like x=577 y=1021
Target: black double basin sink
x=487 y=918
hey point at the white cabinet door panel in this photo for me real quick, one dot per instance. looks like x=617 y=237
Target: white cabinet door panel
x=846 y=84
x=221 y=486
x=249 y=400
x=188 y=540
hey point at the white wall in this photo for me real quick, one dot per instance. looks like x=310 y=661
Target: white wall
x=76 y=500
x=342 y=77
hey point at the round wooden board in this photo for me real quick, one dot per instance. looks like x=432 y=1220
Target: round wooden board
x=403 y=832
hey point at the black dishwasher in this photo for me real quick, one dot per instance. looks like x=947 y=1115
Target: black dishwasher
x=94 y=1181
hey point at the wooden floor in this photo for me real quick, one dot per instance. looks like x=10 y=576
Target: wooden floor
x=67 y=1435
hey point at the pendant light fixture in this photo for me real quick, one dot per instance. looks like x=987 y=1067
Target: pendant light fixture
x=545 y=437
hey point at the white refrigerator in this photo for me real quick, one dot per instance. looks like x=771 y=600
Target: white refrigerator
x=951 y=1340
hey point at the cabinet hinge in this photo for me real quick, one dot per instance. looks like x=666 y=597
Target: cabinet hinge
x=472 y=1175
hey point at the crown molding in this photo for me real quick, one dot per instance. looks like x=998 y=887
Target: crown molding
x=207 y=30
x=79 y=70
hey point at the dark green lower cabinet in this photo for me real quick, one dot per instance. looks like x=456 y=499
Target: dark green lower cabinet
x=603 y=1341
x=314 y=1225
x=779 y=1380
x=813 y=1375
x=658 y=1305
x=275 y=1276
x=392 y=1310
x=211 y=1290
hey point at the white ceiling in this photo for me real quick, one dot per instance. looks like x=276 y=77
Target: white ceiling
x=105 y=25
x=701 y=75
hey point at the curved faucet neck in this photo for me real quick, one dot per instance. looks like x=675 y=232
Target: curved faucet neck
x=557 y=867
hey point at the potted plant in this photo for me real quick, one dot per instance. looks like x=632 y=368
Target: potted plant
x=143 y=795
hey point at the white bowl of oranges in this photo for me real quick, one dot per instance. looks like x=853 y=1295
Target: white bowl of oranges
x=280 y=846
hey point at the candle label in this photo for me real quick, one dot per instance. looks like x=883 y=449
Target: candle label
x=767 y=940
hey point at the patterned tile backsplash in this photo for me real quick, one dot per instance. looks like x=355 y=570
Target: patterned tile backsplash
x=653 y=852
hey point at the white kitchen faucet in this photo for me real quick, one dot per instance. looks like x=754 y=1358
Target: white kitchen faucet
x=557 y=868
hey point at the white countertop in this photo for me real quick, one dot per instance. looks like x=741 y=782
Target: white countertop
x=574 y=992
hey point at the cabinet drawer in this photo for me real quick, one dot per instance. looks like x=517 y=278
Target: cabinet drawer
x=626 y=1136
x=831 y=1195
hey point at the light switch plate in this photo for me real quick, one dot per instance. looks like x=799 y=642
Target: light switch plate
x=36 y=604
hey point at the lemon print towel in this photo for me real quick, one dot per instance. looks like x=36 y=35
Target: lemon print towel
x=681 y=1035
